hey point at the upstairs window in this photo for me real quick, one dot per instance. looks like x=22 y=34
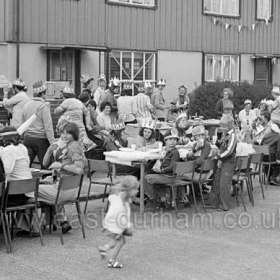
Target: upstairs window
x=221 y=67
x=264 y=9
x=222 y=7
x=139 y=3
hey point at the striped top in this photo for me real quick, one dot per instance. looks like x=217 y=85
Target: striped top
x=228 y=146
x=143 y=104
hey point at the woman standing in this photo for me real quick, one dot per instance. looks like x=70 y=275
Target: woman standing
x=76 y=112
x=100 y=93
x=225 y=105
x=158 y=101
x=182 y=101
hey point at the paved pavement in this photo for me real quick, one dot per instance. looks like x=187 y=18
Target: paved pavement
x=231 y=245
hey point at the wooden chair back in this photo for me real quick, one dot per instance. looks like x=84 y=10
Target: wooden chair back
x=181 y=168
x=264 y=149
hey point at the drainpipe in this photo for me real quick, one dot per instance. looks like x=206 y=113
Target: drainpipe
x=17 y=37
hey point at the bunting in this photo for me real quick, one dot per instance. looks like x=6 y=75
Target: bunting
x=239 y=27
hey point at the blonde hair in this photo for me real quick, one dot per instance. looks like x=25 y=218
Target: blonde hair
x=127 y=184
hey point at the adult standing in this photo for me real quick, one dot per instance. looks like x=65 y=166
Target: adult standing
x=113 y=90
x=100 y=93
x=16 y=103
x=226 y=163
x=77 y=113
x=40 y=133
x=158 y=101
x=225 y=105
x=182 y=100
x=247 y=116
x=88 y=83
x=143 y=102
x=126 y=105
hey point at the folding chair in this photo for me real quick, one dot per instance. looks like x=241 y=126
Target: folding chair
x=3 y=219
x=21 y=187
x=257 y=160
x=206 y=166
x=180 y=169
x=68 y=183
x=103 y=167
x=264 y=149
x=241 y=174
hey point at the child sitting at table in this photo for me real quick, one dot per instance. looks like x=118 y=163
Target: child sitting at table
x=117 y=220
x=163 y=173
x=181 y=126
x=147 y=136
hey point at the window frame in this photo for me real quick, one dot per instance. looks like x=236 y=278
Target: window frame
x=135 y=5
x=271 y=10
x=134 y=82
x=269 y=69
x=205 y=13
x=222 y=55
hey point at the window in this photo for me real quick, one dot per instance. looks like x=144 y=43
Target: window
x=222 y=7
x=263 y=71
x=132 y=66
x=139 y=3
x=221 y=67
x=264 y=9
x=61 y=66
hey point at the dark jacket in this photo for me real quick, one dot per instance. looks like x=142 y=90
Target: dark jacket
x=169 y=160
x=205 y=152
x=228 y=145
x=272 y=139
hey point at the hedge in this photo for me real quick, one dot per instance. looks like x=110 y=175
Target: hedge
x=204 y=98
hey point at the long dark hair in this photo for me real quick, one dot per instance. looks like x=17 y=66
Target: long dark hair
x=13 y=138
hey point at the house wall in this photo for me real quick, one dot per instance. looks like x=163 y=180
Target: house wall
x=179 y=68
x=247 y=68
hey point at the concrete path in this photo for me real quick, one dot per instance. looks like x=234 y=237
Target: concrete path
x=231 y=245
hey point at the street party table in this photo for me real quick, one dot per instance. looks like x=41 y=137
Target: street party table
x=131 y=157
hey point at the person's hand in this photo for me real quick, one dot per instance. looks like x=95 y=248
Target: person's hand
x=56 y=166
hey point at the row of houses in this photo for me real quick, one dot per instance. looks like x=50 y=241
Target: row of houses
x=184 y=41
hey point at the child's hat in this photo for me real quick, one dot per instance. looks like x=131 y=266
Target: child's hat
x=181 y=116
x=101 y=77
x=114 y=82
x=151 y=124
x=276 y=90
x=172 y=133
x=161 y=82
x=199 y=129
x=19 y=83
x=147 y=85
x=85 y=78
x=118 y=126
x=247 y=101
x=39 y=87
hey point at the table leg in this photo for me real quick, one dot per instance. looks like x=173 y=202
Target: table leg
x=114 y=170
x=142 y=174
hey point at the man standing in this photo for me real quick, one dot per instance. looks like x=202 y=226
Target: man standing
x=16 y=103
x=158 y=101
x=40 y=133
x=247 y=115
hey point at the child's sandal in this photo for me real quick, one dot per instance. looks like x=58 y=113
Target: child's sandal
x=102 y=252
x=114 y=264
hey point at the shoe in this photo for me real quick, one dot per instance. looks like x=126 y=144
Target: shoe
x=65 y=226
x=24 y=233
x=274 y=182
x=114 y=264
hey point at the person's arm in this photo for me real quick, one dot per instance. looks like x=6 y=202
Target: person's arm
x=12 y=101
x=230 y=147
x=86 y=114
x=48 y=125
x=278 y=148
x=205 y=152
x=174 y=158
x=48 y=158
x=61 y=108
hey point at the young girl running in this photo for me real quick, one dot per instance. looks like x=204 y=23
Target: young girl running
x=117 y=220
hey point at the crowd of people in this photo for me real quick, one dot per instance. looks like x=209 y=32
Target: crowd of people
x=97 y=120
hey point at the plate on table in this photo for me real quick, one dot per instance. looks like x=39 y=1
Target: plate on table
x=34 y=170
x=127 y=150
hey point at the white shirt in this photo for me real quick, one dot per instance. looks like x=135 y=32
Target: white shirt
x=16 y=162
x=143 y=103
x=104 y=120
x=117 y=218
x=247 y=119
